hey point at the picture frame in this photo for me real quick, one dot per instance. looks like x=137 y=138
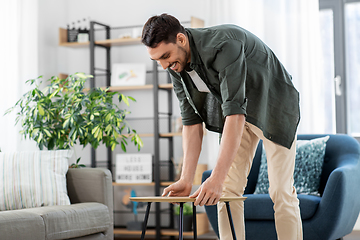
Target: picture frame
x=128 y=74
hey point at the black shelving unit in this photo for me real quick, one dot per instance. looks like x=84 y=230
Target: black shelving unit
x=96 y=72
x=106 y=72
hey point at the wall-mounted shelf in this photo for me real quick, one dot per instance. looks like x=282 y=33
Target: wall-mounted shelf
x=140 y=87
x=175 y=134
x=107 y=42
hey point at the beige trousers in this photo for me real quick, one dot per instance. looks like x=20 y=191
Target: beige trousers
x=281 y=162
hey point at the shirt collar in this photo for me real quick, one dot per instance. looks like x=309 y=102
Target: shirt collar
x=195 y=58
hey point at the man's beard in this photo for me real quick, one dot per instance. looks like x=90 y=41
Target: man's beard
x=183 y=62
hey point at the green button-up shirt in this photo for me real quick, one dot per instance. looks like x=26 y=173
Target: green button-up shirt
x=244 y=77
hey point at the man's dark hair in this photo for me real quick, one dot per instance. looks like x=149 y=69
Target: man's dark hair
x=161 y=28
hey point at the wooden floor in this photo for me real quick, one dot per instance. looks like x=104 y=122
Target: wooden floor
x=355 y=235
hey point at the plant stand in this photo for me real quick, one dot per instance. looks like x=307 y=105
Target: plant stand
x=181 y=201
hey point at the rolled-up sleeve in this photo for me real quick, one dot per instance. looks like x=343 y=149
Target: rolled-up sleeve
x=231 y=65
x=188 y=115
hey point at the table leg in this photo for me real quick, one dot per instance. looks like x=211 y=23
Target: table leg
x=194 y=221
x=181 y=221
x=230 y=220
x=145 y=220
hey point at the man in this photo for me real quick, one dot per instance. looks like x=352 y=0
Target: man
x=227 y=78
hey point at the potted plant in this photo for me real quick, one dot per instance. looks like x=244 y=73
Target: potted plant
x=64 y=113
x=187 y=216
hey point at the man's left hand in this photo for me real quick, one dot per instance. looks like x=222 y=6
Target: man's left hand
x=208 y=193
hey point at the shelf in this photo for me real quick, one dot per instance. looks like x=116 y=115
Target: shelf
x=126 y=88
x=202 y=227
x=195 y=23
x=150 y=232
x=140 y=87
x=176 y=233
x=107 y=42
x=133 y=184
x=166 y=86
x=175 y=134
x=197 y=180
x=119 y=42
x=164 y=184
x=140 y=135
x=123 y=231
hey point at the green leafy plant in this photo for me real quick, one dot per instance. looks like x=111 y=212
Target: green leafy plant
x=77 y=165
x=187 y=209
x=64 y=113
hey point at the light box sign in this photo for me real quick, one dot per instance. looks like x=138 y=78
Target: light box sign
x=134 y=168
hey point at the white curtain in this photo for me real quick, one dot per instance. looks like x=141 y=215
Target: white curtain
x=291 y=29
x=18 y=62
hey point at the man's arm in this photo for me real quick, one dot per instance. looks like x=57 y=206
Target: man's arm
x=210 y=191
x=192 y=140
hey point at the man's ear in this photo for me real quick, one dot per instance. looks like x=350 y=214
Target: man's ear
x=181 y=39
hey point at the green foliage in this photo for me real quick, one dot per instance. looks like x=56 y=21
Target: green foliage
x=77 y=165
x=187 y=210
x=64 y=113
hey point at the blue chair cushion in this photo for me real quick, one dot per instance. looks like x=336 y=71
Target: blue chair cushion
x=308 y=167
x=260 y=206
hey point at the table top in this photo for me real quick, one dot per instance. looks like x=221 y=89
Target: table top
x=180 y=199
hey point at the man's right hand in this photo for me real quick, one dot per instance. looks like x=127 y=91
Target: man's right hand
x=180 y=188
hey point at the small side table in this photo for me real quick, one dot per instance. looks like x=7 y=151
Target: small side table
x=181 y=201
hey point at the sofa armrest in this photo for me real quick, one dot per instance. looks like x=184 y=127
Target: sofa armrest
x=90 y=185
x=339 y=204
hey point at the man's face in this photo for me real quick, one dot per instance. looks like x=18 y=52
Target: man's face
x=173 y=55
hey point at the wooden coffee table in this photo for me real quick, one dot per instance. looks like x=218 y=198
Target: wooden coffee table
x=181 y=201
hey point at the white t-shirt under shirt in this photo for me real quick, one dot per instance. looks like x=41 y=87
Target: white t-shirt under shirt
x=199 y=83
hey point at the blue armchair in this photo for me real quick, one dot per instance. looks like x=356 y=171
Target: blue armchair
x=330 y=216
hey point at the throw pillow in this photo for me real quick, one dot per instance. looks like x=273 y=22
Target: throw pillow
x=33 y=179
x=308 y=167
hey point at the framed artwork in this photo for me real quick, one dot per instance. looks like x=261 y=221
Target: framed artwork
x=128 y=74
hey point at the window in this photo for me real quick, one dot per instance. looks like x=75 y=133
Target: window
x=340 y=33
x=327 y=74
x=352 y=53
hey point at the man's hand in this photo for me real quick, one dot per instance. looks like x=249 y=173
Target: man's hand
x=180 y=188
x=208 y=193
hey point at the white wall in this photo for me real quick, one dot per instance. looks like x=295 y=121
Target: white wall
x=54 y=59
x=52 y=14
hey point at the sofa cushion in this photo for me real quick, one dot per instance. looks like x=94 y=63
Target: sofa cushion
x=260 y=206
x=308 y=167
x=22 y=224
x=63 y=222
x=33 y=179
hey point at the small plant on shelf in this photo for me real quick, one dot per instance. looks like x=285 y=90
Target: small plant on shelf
x=187 y=215
x=64 y=113
x=187 y=209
